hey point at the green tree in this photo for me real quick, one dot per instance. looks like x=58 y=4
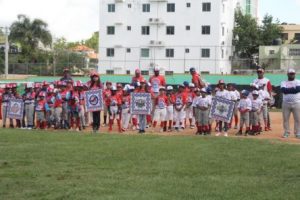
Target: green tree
x=93 y=42
x=246 y=35
x=30 y=34
x=269 y=30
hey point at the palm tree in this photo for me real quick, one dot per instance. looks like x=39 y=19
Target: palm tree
x=30 y=34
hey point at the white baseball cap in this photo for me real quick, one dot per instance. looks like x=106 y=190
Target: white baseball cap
x=170 y=88
x=291 y=71
x=255 y=92
x=192 y=85
x=156 y=69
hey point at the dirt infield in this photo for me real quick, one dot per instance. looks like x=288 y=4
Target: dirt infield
x=275 y=134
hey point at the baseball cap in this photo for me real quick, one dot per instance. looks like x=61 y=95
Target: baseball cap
x=291 y=71
x=170 y=88
x=255 y=92
x=156 y=69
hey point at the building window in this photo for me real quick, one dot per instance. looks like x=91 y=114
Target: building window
x=110 y=72
x=187 y=28
x=171 y=7
x=187 y=50
x=272 y=52
x=146 y=7
x=285 y=36
x=128 y=50
x=222 y=56
x=206 y=7
x=110 y=30
x=205 y=30
x=145 y=30
x=169 y=53
x=128 y=72
x=169 y=73
x=110 y=52
x=223 y=30
x=129 y=5
x=205 y=53
x=297 y=36
x=294 y=52
x=128 y=28
x=111 y=7
x=145 y=53
x=170 y=30
x=188 y=5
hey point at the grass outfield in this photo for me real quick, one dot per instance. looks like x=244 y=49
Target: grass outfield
x=44 y=165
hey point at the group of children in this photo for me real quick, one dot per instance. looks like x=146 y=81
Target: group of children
x=61 y=105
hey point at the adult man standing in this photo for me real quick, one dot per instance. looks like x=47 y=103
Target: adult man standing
x=196 y=79
x=66 y=76
x=157 y=81
x=291 y=103
x=266 y=85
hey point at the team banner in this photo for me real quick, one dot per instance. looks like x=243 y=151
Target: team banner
x=15 y=109
x=221 y=109
x=140 y=104
x=93 y=100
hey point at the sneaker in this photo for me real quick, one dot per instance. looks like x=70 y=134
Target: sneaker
x=239 y=133
x=218 y=134
x=235 y=127
x=29 y=128
x=161 y=130
x=286 y=135
x=192 y=126
x=134 y=128
x=226 y=134
x=77 y=130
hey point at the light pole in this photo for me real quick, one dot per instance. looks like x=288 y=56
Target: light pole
x=6 y=50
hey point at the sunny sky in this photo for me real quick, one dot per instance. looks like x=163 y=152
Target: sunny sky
x=78 y=19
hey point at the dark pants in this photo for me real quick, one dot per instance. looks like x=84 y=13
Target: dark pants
x=96 y=120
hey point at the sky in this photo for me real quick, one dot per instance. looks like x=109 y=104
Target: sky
x=78 y=19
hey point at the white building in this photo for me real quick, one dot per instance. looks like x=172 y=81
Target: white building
x=171 y=34
x=249 y=7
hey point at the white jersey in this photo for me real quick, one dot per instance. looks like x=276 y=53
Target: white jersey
x=201 y=102
x=223 y=94
x=235 y=95
x=294 y=97
x=256 y=104
x=262 y=82
x=245 y=104
x=265 y=96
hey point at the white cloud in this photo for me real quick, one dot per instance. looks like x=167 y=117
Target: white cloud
x=73 y=19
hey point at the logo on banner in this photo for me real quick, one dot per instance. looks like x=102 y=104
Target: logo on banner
x=222 y=109
x=94 y=100
x=141 y=104
x=15 y=109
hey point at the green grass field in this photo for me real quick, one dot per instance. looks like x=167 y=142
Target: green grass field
x=45 y=165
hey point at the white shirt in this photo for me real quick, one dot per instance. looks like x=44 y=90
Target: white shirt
x=265 y=96
x=201 y=102
x=234 y=95
x=223 y=94
x=261 y=82
x=256 y=104
x=291 y=98
x=245 y=104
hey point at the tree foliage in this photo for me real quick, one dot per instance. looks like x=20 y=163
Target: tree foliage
x=248 y=35
x=93 y=42
x=30 y=34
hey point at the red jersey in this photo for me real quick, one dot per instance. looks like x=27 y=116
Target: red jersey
x=190 y=97
x=41 y=105
x=171 y=99
x=196 y=79
x=95 y=86
x=137 y=79
x=115 y=100
x=156 y=82
x=120 y=93
x=106 y=96
x=180 y=99
x=161 y=101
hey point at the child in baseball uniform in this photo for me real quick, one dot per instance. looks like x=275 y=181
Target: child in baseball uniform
x=244 y=108
x=126 y=108
x=265 y=97
x=235 y=96
x=160 y=112
x=74 y=110
x=255 y=113
x=29 y=101
x=170 y=107
x=41 y=110
x=6 y=97
x=57 y=107
x=106 y=96
x=114 y=109
x=189 y=108
x=179 y=113
x=201 y=105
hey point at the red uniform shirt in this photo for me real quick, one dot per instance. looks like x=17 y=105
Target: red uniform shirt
x=171 y=99
x=156 y=82
x=115 y=100
x=106 y=96
x=196 y=79
x=180 y=99
x=136 y=79
x=161 y=101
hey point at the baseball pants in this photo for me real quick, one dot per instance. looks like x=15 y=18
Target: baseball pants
x=287 y=110
x=29 y=112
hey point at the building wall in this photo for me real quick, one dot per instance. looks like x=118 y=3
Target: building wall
x=127 y=45
x=289 y=32
x=280 y=57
